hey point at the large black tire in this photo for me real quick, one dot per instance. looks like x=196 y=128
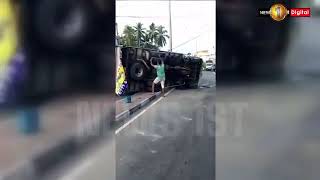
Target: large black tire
x=62 y=24
x=138 y=71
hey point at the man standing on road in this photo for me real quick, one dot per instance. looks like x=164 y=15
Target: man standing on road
x=161 y=76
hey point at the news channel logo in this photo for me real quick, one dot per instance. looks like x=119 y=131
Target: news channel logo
x=279 y=12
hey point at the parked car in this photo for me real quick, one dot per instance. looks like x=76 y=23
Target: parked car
x=210 y=66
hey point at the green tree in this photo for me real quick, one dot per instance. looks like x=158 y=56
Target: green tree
x=161 y=36
x=128 y=38
x=153 y=38
x=152 y=33
x=146 y=41
x=140 y=33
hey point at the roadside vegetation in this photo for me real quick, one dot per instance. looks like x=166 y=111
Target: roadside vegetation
x=153 y=37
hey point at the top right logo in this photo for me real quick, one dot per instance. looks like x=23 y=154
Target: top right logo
x=279 y=12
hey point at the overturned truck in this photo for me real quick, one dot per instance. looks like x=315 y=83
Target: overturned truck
x=181 y=71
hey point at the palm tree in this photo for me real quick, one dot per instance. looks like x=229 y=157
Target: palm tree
x=161 y=36
x=140 y=33
x=128 y=38
x=145 y=40
x=152 y=33
x=153 y=38
x=148 y=44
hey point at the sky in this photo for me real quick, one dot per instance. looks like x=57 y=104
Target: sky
x=193 y=22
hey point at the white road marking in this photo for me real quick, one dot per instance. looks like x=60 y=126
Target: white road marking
x=134 y=118
x=186 y=118
x=138 y=115
x=154 y=137
x=153 y=151
x=169 y=92
x=141 y=133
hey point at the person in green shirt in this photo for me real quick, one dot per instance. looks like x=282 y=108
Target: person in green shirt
x=161 y=76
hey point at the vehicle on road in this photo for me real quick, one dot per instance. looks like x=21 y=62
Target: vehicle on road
x=210 y=66
x=183 y=71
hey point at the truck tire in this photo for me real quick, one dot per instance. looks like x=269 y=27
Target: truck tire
x=137 y=71
x=62 y=24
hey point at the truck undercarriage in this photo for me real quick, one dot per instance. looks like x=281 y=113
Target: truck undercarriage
x=181 y=71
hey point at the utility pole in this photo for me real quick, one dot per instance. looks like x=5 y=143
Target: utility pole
x=117 y=35
x=170 y=26
x=196 y=45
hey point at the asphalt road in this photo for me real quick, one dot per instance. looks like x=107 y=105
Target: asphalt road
x=173 y=138
x=207 y=79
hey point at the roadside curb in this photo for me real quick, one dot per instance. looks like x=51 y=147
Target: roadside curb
x=126 y=114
